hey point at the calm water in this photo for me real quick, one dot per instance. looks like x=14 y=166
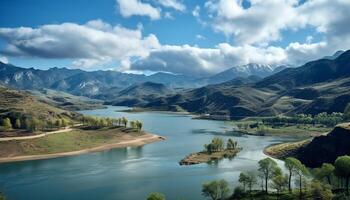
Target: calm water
x=132 y=173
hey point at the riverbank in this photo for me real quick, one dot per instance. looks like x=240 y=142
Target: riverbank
x=72 y=143
x=284 y=150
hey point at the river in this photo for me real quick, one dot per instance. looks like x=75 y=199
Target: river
x=132 y=173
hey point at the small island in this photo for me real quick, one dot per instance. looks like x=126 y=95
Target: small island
x=212 y=152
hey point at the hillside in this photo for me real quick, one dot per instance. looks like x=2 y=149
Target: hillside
x=242 y=71
x=17 y=104
x=65 y=100
x=321 y=149
x=318 y=86
x=139 y=94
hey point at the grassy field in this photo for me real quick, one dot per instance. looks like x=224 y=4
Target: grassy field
x=66 y=142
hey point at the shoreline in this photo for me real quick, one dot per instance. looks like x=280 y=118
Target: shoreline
x=139 y=141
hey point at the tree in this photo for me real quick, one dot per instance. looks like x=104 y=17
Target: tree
x=7 y=124
x=279 y=183
x=325 y=171
x=321 y=191
x=290 y=165
x=218 y=144
x=18 y=124
x=156 y=196
x=251 y=181
x=132 y=124
x=238 y=193
x=216 y=190
x=124 y=121
x=300 y=171
x=58 y=123
x=243 y=179
x=138 y=125
x=231 y=144
x=267 y=167
x=342 y=169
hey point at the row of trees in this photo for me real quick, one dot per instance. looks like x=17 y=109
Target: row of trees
x=33 y=124
x=218 y=144
x=100 y=122
x=321 y=118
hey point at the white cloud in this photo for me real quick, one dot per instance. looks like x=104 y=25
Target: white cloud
x=168 y=15
x=264 y=20
x=90 y=44
x=196 y=61
x=259 y=24
x=128 y=8
x=200 y=37
x=196 y=11
x=172 y=4
x=3 y=59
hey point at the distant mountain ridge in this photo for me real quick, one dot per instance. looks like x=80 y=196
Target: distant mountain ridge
x=97 y=83
x=243 y=71
x=318 y=86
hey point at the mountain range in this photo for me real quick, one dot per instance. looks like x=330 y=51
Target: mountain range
x=318 y=86
x=98 y=84
x=248 y=90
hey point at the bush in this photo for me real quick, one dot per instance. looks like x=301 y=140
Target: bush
x=238 y=193
x=156 y=196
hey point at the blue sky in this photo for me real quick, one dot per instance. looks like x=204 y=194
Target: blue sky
x=188 y=36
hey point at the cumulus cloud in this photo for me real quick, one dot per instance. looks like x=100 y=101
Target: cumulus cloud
x=260 y=23
x=199 y=62
x=172 y=4
x=128 y=8
x=264 y=20
x=89 y=44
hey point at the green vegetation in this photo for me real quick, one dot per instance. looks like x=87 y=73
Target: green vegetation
x=329 y=120
x=255 y=126
x=156 y=196
x=20 y=111
x=309 y=183
x=342 y=169
x=216 y=190
x=2 y=197
x=212 y=152
x=7 y=124
x=268 y=169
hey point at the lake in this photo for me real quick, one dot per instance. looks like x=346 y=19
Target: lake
x=132 y=173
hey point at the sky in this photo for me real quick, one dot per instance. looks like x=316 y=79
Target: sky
x=196 y=38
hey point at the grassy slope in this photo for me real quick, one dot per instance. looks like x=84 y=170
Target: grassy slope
x=65 y=100
x=15 y=103
x=65 y=142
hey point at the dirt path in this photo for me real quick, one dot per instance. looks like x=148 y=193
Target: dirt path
x=139 y=141
x=36 y=136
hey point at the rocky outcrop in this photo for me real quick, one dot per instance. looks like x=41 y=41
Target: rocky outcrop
x=326 y=149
